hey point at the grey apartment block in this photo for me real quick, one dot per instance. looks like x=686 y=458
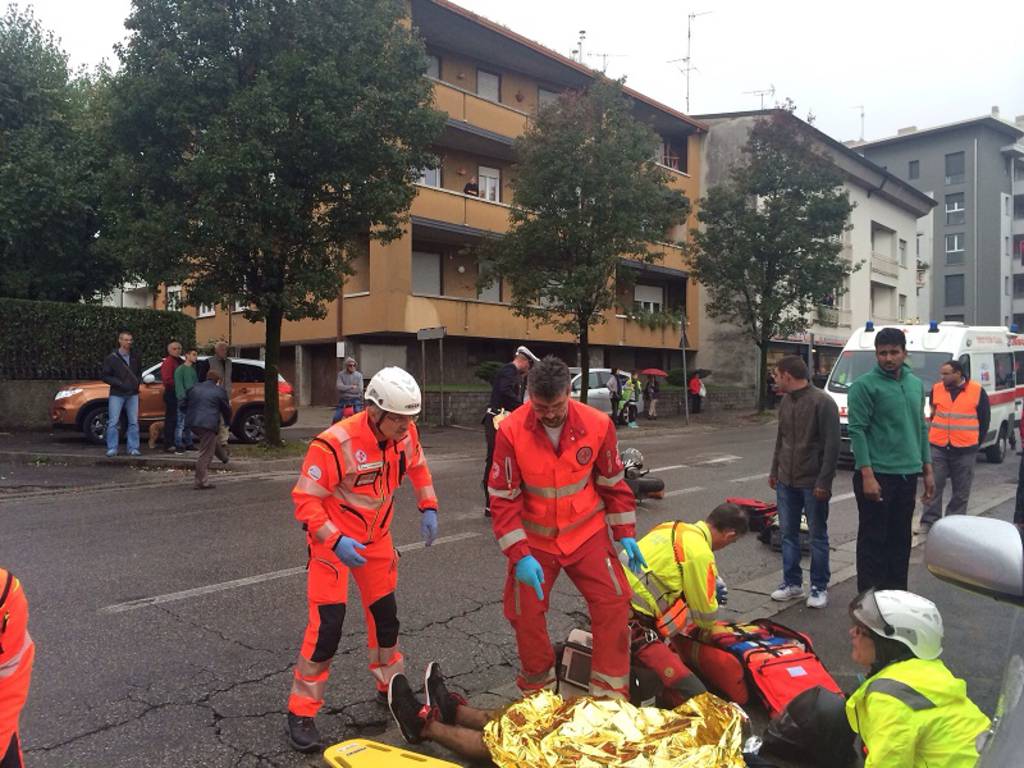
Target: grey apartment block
x=973 y=169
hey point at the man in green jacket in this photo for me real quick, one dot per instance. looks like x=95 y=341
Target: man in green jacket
x=889 y=437
x=185 y=378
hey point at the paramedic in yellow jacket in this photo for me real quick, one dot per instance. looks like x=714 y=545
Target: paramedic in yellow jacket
x=910 y=712
x=677 y=587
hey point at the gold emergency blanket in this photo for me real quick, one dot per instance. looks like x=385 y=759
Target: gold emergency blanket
x=544 y=730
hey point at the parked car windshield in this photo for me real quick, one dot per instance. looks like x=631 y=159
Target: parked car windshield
x=853 y=364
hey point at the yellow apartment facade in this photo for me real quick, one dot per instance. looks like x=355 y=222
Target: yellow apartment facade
x=490 y=82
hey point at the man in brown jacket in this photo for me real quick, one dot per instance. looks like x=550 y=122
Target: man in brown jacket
x=803 y=467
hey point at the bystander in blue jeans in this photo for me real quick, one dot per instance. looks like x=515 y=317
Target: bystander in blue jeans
x=182 y=434
x=130 y=405
x=339 y=412
x=793 y=502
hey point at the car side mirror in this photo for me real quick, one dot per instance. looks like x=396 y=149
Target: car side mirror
x=979 y=554
x=149 y=378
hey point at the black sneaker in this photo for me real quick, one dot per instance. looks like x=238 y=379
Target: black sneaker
x=438 y=695
x=405 y=709
x=303 y=734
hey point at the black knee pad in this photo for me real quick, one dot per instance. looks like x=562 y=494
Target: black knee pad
x=385 y=617
x=332 y=617
x=689 y=686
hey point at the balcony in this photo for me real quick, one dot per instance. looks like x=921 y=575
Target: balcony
x=884 y=265
x=452 y=207
x=831 y=317
x=469 y=108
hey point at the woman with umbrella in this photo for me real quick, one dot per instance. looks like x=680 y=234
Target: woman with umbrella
x=651 y=391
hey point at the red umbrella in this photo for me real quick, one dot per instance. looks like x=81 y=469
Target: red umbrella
x=653 y=372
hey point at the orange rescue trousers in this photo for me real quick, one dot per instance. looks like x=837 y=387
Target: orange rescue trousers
x=327 y=594
x=595 y=570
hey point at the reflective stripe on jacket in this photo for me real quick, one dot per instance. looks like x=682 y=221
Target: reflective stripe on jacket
x=955 y=422
x=554 y=501
x=680 y=567
x=915 y=714
x=349 y=479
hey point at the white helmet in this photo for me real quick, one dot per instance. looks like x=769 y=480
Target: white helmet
x=903 y=616
x=525 y=352
x=395 y=391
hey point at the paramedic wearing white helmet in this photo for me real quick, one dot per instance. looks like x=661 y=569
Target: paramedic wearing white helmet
x=344 y=499
x=910 y=712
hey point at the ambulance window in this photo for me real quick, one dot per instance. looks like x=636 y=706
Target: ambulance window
x=965 y=361
x=1004 y=370
x=1018 y=367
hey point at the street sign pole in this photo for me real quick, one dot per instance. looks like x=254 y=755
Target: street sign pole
x=429 y=334
x=440 y=346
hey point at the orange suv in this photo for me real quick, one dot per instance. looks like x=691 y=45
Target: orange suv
x=82 y=405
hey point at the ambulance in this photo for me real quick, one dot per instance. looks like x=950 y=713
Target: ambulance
x=992 y=356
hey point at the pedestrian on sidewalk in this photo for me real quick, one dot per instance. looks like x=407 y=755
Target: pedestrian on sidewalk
x=697 y=391
x=960 y=421
x=803 y=468
x=221 y=363
x=17 y=652
x=889 y=438
x=185 y=377
x=506 y=395
x=651 y=392
x=168 y=366
x=205 y=405
x=614 y=393
x=122 y=370
x=630 y=393
x=350 y=390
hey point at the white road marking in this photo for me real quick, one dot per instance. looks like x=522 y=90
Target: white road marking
x=727 y=459
x=670 y=467
x=759 y=476
x=185 y=594
x=683 y=491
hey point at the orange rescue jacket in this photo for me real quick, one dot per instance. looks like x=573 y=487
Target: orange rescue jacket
x=955 y=422
x=349 y=479
x=553 y=501
x=15 y=642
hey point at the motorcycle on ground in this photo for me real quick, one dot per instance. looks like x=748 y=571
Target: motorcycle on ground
x=637 y=479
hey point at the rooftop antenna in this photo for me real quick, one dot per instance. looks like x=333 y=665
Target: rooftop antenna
x=769 y=91
x=687 y=60
x=578 y=50
x=861 y=108
x=605 y=56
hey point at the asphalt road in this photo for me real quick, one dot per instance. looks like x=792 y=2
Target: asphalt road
x=167 y=621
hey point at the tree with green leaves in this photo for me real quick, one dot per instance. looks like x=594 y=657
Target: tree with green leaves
x=258 y=144
x=48 y=171
x=587 y=194
x=769 y=249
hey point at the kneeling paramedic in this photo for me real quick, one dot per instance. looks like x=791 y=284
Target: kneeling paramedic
x=345 y=501
x=678 y=585
x=556 y=485
x=16 y=654
x=910 y=712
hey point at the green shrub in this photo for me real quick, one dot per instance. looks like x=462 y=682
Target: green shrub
x=488 y=370
x=56 y=340
x=677 y=377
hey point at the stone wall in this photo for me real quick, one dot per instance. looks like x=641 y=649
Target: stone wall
x=25 y=404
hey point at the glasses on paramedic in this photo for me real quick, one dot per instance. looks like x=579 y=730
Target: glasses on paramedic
x=399 y=419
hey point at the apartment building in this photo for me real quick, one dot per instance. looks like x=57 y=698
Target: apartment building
x=491 y=82
x=879 y=243
x=973 y=245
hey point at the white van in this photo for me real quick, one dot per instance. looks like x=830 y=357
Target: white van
x=989 y=356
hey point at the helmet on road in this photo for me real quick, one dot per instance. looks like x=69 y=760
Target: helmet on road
x=902 y=616
x=395 y=391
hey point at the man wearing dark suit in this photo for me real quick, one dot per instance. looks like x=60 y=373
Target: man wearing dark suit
x=506 y=396
x=207 y=403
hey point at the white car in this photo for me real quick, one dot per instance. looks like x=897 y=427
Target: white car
x=597 y=393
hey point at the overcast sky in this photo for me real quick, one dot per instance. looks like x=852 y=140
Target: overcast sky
x=907 y=62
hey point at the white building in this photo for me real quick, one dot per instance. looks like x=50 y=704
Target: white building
x=131 y=296
x=882 y=241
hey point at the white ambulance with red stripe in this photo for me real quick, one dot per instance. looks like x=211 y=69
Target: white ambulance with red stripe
x=991 y=355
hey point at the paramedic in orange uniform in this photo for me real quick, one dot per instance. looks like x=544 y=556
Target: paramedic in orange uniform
x=345 y=501
x=556 y=484
x=16 y=653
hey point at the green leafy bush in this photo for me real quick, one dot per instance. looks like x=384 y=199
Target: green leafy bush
x=677 y=377
x=488 y=370
x=57 y=340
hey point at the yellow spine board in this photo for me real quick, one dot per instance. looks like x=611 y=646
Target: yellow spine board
x=363 y=753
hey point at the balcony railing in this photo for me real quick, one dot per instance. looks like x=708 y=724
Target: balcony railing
x=884 y=265
x=828 y=315
x=475 y=110
x=456 y=208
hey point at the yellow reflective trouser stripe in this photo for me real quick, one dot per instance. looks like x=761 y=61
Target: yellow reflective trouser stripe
x=511 y=538
x=511 y=494
x=552 y=492
x=611 y=480
x=325 y=532
x=621 y=518
x=311 y=487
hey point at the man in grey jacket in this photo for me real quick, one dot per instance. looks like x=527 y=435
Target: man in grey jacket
x=803 y=467
x=350 y=389
x=207 y=403
x=221 y=363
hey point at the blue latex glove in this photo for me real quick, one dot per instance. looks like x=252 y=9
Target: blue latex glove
x=721 y=591
x=636 y=557
x=428 y=526
x=347 y=549
x=529 y=572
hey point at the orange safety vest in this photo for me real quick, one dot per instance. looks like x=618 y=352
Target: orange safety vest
x=16 y=654
x=349 y=479
x=955 y=422
x=561 y=506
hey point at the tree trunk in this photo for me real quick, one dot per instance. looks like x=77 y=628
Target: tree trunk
x=584 y=353
x=762 y=382
x=271 y=399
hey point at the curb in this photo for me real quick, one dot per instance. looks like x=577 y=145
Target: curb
x=146 y=462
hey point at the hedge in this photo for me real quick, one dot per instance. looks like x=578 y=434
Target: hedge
x=55 y=340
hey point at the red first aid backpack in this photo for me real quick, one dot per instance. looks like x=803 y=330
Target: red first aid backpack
x=762 y=660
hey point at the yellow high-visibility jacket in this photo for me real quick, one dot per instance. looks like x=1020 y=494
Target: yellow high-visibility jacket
x=915 y=714
x=679 y=581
